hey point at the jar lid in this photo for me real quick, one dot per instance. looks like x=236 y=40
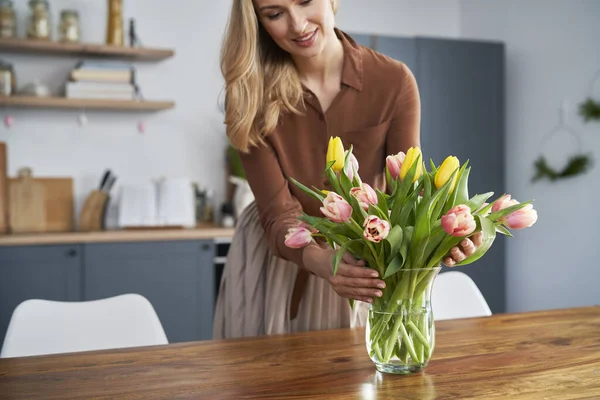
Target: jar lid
x=67 y=13
x=33 y=3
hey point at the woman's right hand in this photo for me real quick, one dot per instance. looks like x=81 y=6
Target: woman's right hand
x=352 y=280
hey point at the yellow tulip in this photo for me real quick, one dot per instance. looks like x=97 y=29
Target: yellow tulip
x=335 y=152
x=442 y=175
x=412 y=155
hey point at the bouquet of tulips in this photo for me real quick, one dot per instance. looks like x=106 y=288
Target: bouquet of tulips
x=404 y=234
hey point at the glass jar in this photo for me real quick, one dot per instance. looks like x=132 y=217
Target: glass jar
x=69 y=26
x=39 y=25
x=8 y=20
x=8 y=80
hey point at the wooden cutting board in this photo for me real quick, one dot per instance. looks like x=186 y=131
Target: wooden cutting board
x=41 y=204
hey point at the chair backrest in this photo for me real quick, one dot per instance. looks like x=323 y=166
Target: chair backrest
x=455 y=295
x=48 y=327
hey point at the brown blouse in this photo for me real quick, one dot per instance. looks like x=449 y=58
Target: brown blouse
x=377 y=111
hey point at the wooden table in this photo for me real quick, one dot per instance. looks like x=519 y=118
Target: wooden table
x=539 y=355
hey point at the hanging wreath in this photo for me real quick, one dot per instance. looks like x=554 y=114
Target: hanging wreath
x=578 y=164
x=589 y=110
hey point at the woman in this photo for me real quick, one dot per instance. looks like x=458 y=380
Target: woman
x=293 y=80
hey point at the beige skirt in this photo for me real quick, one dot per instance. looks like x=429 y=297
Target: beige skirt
x=256 y=291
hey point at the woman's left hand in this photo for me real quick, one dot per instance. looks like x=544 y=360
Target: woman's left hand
x=466 y=247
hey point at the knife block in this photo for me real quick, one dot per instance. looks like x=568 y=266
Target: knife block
x=92 y=214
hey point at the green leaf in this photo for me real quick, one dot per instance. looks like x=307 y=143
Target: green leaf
x=335 y=183
x=477 y=201
x=443 y=194
x=338 y=256
x=407 y=183
x=503 y=230
x=392 y=183
x=375 y=210
x=433 y=167
x=382 y=202
x=346 y=184
x=460 y=185
x=394 y=239
x=447 y=243
x=394 y=266
x=317 y=196
x=495 y=216
x=406 y=240
x=462 y=188
x=489 y=234
x=432 y=244
x=406 y=209
x=358 y=213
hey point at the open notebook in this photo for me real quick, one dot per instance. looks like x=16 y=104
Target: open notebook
x=167 y=202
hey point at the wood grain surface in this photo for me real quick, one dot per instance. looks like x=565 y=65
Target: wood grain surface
x=36 y=47
x=539 y=355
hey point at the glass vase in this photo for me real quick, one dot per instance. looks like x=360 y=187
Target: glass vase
x=400 y=331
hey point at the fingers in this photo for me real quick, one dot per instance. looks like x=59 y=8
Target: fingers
x=468 y=247
x=477 y=238
x=449 y=262
x=357 y=283
x=349 y=259
x=457 y=254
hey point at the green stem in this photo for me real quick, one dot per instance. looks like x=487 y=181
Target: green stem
x=422 y=339
x=408 y=342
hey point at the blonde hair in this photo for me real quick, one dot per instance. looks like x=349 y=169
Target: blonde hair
x=261 y=80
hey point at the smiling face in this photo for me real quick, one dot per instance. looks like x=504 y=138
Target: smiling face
x=302 y=28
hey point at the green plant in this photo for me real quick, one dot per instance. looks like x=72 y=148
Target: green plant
x=589 y=110
x=578 y=164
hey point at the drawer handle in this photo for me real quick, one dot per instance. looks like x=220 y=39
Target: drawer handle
x=205 y=247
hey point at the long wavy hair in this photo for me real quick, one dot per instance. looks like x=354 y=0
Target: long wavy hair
x=261 y=80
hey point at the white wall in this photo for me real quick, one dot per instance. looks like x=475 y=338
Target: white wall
x=551 y=55
x=189 y=140
x=401 y=17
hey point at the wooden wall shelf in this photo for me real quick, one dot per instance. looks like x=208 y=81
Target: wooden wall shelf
x=30 y=46
x=87 y=104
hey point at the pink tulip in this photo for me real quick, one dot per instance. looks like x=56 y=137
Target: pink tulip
x=523 y=218
x=375 y=229
x=297 y=238
x=394 y=163
x=336 y=208
x=458 y=221
x=365 y=195
x=503 y=202
x=351 y=167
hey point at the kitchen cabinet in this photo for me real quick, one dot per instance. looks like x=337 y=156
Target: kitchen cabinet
x=461 y=84
x=51 y=272
x=176 y=277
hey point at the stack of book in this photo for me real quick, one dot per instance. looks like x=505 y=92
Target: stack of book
x=89 y=80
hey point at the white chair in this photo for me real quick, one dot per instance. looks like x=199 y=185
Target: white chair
x=455 y=295
x=48 y=327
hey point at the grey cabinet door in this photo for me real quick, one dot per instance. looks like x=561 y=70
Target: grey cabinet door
x=462 y=96
x=37 y=272
x=176 y=277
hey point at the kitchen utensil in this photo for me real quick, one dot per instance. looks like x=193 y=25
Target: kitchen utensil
x=26 y=200
x=58 y=204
